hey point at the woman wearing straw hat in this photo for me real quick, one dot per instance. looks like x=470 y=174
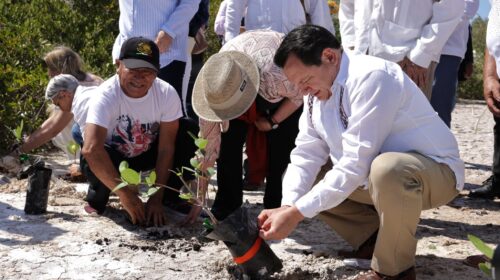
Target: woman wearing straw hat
x=240 y=91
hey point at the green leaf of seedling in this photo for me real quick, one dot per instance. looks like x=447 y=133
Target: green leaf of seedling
x=201 y=143
x=210 y=171
x=152 y=191
x=72 y=147
x=151 y=179
x=186 y=196
x=131 y=176
x=119 y=186
x=481 y=246
x=18 y=132
x=123 y=166
x=207 y=224
x=485 y=268
x=194 y=162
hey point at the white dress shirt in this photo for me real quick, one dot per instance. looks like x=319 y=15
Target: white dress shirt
x=457 y=43
x=277 y=15
x=385 y=111
x=493 y=33
x=147 y=18
x=393 y=29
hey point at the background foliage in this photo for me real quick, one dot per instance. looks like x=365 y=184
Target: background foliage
x=29 y=29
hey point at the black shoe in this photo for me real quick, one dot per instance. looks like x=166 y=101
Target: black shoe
x=489 y=190
x=365 y=250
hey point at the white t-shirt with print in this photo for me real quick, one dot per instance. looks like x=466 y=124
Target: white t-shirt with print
x=79 y=106
x=133 y=123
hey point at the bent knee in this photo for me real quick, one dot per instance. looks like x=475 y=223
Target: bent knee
x=394 y=169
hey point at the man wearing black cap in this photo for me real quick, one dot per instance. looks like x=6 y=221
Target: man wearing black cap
x=134 y=117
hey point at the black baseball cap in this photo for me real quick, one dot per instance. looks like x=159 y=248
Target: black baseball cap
x=139 y=52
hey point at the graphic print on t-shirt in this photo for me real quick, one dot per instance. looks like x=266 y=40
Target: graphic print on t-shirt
x=131 y=138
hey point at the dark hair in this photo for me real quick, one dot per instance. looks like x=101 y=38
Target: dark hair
x=307 y=42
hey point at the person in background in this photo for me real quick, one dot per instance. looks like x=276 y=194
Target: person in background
x=367 y=115
x=197 y=44
x=241 y=94
x=491 y=90
x=410 y=33
x=71 y=98
x=277 y=15
x=63 y=60
x=445 y=84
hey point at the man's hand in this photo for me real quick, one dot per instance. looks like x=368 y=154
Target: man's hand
x=491 y=94
x=263 y=124
x=155 y=214
x=133 y=205
x=163 y=40
x=416 y=73
x=278 y=223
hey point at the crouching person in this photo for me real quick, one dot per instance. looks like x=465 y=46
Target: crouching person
x=134 y=117
x=393 y=157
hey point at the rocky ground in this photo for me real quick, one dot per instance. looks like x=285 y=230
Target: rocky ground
x=65 y=243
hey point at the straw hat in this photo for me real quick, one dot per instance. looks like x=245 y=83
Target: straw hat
x=226 y=86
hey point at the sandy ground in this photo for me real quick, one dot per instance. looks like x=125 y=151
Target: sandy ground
x=65 y=243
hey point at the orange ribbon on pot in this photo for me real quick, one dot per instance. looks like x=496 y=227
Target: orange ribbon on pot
x=250 y=253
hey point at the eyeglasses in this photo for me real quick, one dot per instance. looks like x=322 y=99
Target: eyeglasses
x=56 y=99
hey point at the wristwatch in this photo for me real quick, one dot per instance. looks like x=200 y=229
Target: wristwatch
x=271 y=121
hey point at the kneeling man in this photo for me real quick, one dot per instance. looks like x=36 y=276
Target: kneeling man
x=393 y=156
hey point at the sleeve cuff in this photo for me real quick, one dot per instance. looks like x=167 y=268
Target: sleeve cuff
x=420 y=58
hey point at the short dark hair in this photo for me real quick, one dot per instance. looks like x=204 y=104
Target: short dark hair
x=307 y=42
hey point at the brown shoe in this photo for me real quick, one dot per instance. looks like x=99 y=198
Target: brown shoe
x=408 y=274
x=365 y=251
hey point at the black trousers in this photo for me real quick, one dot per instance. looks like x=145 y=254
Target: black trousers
x=173 y=74
x=496 y=150
x=98 y=193
x=280 y=143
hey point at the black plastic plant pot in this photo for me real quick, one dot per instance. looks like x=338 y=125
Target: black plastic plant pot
x=495 y=264
x=37 y=195
x=240 y=233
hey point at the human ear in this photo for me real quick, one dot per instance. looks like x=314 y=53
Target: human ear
x=328 y=56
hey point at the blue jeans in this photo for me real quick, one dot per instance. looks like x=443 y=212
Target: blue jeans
x=77 y=134
x=445 y=86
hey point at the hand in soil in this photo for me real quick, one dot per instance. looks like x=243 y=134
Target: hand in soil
x=134 y=207
x=278 y=223
x=192 y=215
x=155 y=213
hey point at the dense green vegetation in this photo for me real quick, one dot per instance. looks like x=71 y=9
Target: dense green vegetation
x=29 y=29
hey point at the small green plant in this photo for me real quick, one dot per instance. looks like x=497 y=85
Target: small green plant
x=18 y=132
x=486 y=250
x=194 y=194
x=73 y=148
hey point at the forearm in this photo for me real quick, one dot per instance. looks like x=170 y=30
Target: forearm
x=101 y=165
x=286 y=109
x=163 y=166
x=489 y=67
x=48 y=130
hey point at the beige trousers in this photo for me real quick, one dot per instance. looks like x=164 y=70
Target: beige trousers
x=401 y=185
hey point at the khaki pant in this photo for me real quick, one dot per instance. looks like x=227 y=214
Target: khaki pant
x=401 y=185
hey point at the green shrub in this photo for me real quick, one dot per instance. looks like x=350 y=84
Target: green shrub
x=473 y=88
x=29 y=29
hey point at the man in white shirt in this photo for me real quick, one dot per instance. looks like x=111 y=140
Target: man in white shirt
x=411 y=33
x=167 y=24
x=367 y=116
x=277 y=15
x=134 y=116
